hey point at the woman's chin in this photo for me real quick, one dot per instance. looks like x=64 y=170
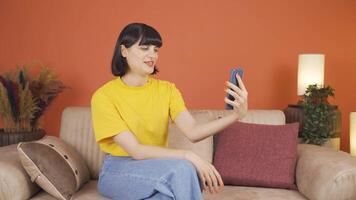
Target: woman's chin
x=151 y=70
x=148 y=72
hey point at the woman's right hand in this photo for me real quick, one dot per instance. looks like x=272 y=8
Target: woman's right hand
x=209 y=176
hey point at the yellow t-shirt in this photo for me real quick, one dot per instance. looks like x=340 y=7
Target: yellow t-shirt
x=142 y=110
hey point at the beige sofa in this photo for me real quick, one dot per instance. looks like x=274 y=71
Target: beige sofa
x=321 y=173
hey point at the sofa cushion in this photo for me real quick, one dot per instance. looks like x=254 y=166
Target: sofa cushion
x=54 y=165
x=257 y=155
x=254 y=193
x=13 y=176
x=87 y=192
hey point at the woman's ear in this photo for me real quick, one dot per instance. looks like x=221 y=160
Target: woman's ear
x=123 y=51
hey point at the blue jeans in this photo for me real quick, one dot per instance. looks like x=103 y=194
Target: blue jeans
x=123 y=178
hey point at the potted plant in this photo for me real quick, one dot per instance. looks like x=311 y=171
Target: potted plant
x=23 y=100
x=322 y=120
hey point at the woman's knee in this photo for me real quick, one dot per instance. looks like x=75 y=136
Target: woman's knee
x=184 y=166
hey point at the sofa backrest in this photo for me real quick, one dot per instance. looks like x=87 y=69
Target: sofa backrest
x=76 y=129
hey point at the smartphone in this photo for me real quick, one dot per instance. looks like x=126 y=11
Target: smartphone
x=234 y=81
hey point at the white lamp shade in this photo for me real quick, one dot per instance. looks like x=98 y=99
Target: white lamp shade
x=310 y=71
x=353 y=133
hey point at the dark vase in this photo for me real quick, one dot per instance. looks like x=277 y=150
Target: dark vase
x=7 y=138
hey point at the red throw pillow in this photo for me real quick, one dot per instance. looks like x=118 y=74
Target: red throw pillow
x=257 y=155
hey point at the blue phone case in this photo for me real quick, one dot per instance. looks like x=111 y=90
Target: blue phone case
x=234 y=81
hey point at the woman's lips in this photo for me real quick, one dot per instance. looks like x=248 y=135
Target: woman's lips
x=150 y=63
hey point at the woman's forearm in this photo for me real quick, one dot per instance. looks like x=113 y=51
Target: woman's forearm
x=130 y=144
x=202 y=131
x=240 y=107
x=149 y=152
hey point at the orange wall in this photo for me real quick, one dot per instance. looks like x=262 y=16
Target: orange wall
x=202 y=41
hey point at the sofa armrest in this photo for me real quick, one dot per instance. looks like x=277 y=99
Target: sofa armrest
x=14 y=181
x=325 y=174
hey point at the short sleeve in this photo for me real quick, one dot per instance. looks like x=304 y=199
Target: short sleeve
x=176 y=102
x=107 y=121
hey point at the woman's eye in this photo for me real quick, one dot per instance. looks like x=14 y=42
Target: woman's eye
x=145 y=48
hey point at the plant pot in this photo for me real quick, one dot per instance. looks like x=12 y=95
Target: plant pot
x=7 y=138
x=333 y=143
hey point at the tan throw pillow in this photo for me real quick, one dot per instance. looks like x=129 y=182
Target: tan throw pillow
x=54 y=165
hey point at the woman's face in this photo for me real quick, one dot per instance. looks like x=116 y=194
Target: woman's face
x=140 y=58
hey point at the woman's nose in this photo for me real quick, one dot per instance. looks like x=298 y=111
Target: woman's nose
x=152 y=54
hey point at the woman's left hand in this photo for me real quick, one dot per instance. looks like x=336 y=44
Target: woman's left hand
x=240 y=94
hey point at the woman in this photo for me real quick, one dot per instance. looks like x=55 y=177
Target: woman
x=130 y=118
